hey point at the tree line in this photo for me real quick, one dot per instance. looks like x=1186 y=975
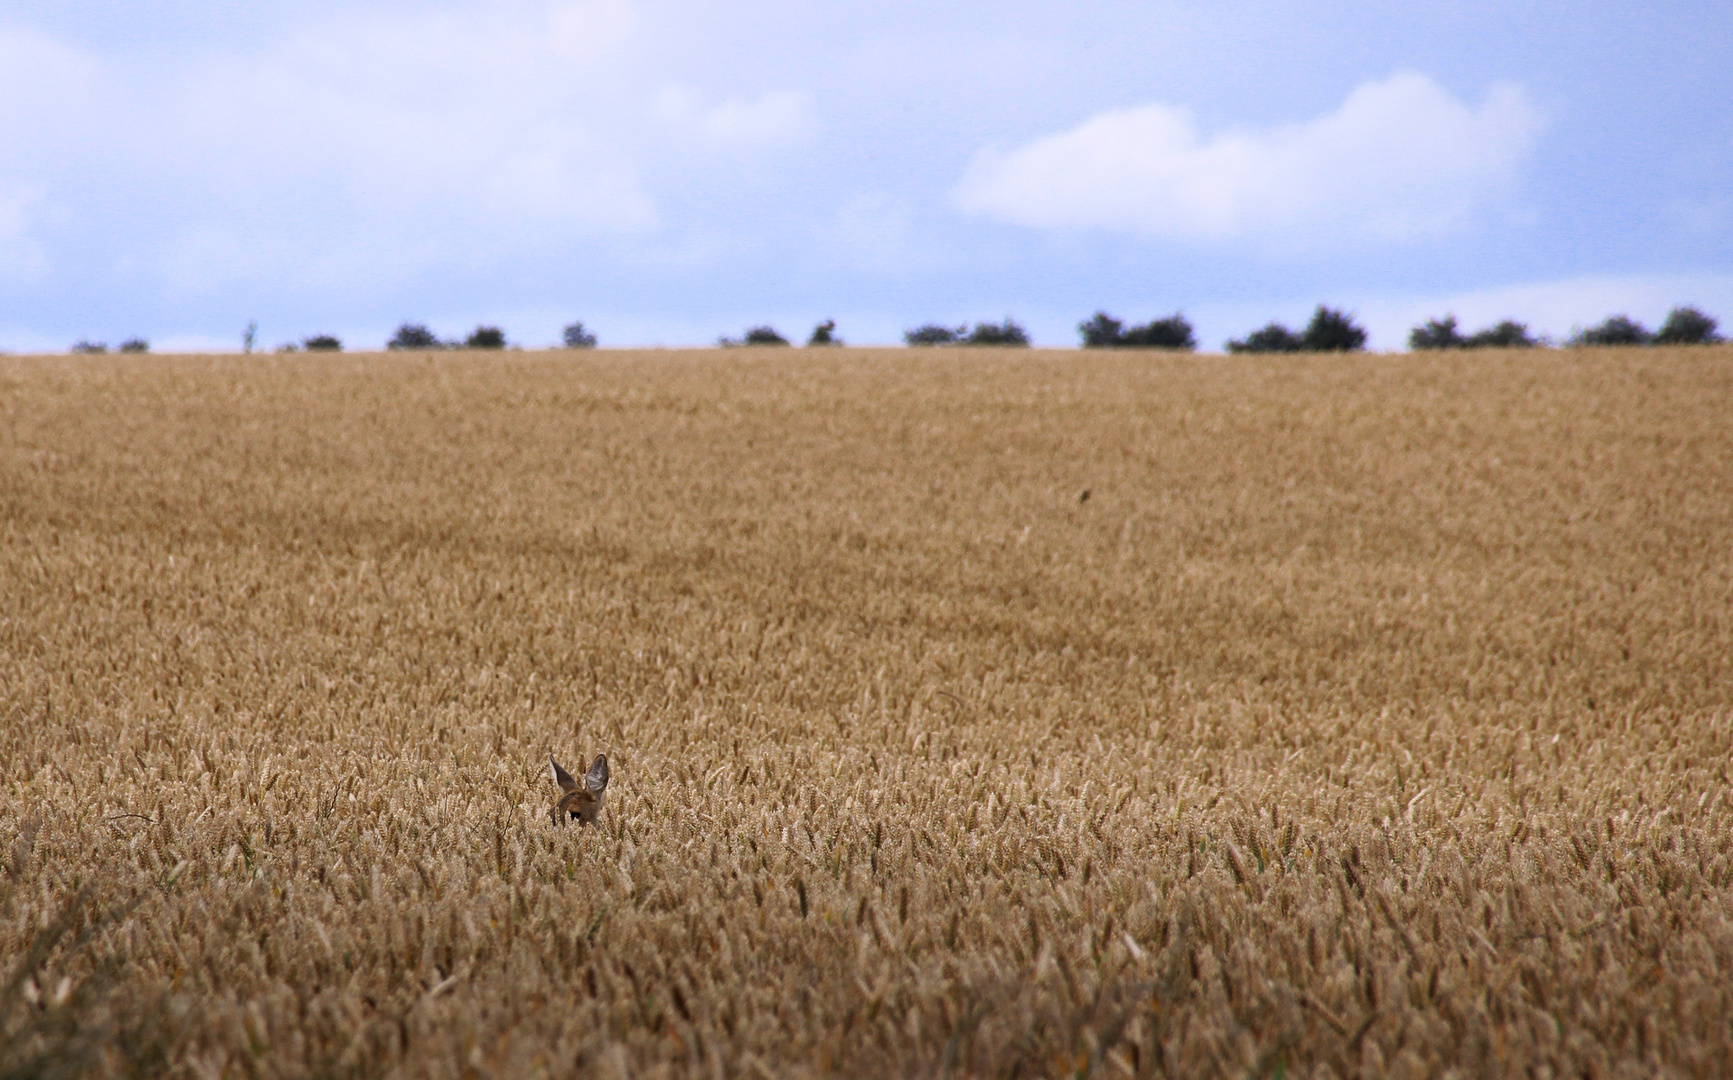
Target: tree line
x=1329 y=330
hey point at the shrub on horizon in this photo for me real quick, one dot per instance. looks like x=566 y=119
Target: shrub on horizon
x=1616 y=330
x=1687 y=326
x=1173 y=332
x=1103 y=331
x=1442 y=334
x=485 y=337
x=756 y=335
x=412 y=337
x=824 y=334
x=323 y=343
x=1436 y=334
x=84 y=347
x=1332 y=330
x=1508 y=334
x=576 y=337
x=135 y=345
x=1106 y=332
x=934 y=334
x=764 y=335
x=1007 y=333
x=1270 y=338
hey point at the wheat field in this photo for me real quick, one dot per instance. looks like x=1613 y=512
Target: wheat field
x=971 y=713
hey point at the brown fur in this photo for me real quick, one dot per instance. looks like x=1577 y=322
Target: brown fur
x=581 y=800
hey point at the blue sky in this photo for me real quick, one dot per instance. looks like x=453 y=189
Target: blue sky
x=670 y=171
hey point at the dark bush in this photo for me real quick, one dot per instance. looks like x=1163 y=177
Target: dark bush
x=1436 y=334
x=135 y=345
x=1005 y=333
x=1332 y=330
x=1442 y=334
x=1506 y=335
x=756 y=335
x=1687 y=326
x=1617 y=330
x=1101 y=332
x=576 y=337
x=1106 y=332
x=934 y=334
x=413 y=336
x=322 y=343
x=1273 y=338
x=1173 y=332
x=485 y=337
x=764 y=335
x=824 y=334
x=89 y=347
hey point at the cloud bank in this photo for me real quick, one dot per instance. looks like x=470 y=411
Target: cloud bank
x=737 y=124
x=1399 y=159
x=369 y=146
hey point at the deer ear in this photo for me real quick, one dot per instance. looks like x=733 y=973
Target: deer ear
x=598 y=776
x=562 y=777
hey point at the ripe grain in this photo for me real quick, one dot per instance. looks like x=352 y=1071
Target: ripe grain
x=1371 y=716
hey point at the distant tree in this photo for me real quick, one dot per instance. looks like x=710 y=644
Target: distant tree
x=1173 y=332
x=135 y=345
x=1436 y=334
x=1442 y=334
x=1106 y=332
x=323 y=343
x=1687 y=326
x=1103 y=331
x=1272 y=338
x=414 y=337
x=824 y=334
x=1005 y=333
x=934 y=334
x=88 y=348
x=251 y=336
x=485 y=337
x=1617 y=330
x=576 y=337
x=1506 y=335
x=764 y=335
x=756 y=335
x=1332 y=330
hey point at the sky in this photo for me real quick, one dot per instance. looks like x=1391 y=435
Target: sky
x=669 y=172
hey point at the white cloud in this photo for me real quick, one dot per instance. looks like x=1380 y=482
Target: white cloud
x=43 y=83
x=385 y=145
x=875 y=231
x=46 y=91
x=886 y=236
x=590 y=31
x=21 y=253
x=1400 y=158
x=494 y=120
x=372 y=146
x=780 y=116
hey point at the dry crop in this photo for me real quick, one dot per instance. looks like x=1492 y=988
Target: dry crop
x=970 y=713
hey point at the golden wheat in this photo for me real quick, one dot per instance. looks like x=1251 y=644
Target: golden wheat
x=1370 y=716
